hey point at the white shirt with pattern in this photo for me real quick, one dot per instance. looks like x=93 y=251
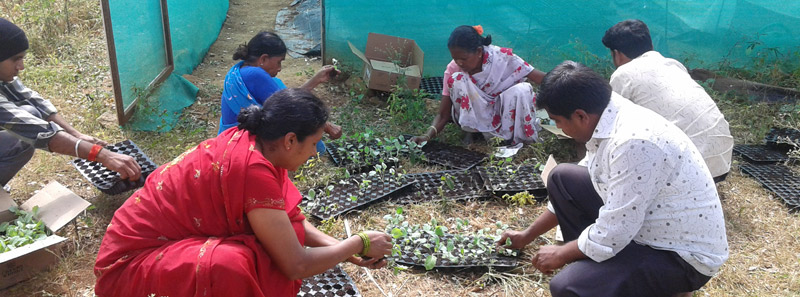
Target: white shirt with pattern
x=655 y=187
x=664 y=86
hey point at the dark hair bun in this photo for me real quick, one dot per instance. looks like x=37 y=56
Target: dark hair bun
x=241 y=52
x=487 y=40
x=251 y=118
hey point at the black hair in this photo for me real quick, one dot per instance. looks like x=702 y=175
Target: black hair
x=288 y=110
x=264 y=42
x=630 y=37
x=467 y=39
x=571 y=86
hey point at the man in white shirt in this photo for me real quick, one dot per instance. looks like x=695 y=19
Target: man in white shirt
x=663 y=85
x=643 y=217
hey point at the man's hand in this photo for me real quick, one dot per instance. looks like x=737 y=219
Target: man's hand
x=519 y=239
x=90 y=139
x=125 y=165
x=552 y=257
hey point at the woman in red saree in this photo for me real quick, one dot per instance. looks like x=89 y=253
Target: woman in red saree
x=222 y=219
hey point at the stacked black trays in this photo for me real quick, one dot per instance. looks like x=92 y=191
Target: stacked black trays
x=108 y=181
x=432 y=85
x=779 y=179
x=760 y=153
x=451 y=156
x=777 y=136
x=331 y=283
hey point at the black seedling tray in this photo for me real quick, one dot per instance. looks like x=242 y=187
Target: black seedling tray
x=773 y=138
x=108 y=181
x=760 y=153
x=339 y=201
x=331 y=283
x=432 y=85
x=779 y=179
x=466 y=185
x=526 y=178
x=494 y=259
x=339 y=157
x=451 y=156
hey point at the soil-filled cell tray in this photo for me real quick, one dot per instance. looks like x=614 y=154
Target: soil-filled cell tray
x=350 y=194
x=444 y=185
x=415 y=254
x=760 y=153
x=432 y=85
x=108 y=181
x=777 y=137
x=331 y=283
x=451 y=156
x=779 y=179
x=513 y=179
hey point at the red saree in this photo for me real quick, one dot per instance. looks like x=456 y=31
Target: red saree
x=186 y=233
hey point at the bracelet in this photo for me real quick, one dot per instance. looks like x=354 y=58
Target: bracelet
x=77 y=143
x=435 y=131
x=366 y=242
x=94 y=152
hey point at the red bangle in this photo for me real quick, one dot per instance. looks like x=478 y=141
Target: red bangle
x=93 y=153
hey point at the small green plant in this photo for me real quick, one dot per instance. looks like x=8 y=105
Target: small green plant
x=22 y=231
x=521 y=198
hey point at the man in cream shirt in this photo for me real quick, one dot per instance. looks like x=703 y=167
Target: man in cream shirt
x=663 y=85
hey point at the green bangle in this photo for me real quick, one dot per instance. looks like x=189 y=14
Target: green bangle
x=365 y=241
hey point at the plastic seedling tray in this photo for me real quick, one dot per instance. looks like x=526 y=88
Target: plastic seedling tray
x=366 y=161
x=352 y=194
x=108 y=181
x=452 y=156
x=779 y=179
x=493 y=259
x=465 y=185
x=760 y=153
x=776 y=136
x=513 y=179
x=331 y=283
x=432 y=85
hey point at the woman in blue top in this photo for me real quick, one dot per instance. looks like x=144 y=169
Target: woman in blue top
x=254 y=79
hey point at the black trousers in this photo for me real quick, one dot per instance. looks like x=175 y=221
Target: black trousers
x=637 y=270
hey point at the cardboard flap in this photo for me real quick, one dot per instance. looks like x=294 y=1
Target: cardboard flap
x=418 y=57
x=30 y=248
x=389 y=48
x=412 y=70
x=5 y=203
x=385 y=66
x=358 y=53
x=551 y=163
x=57 y=205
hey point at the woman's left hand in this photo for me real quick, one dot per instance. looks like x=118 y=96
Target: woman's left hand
x=371 y=263
x=325 y=74
x=334 y=131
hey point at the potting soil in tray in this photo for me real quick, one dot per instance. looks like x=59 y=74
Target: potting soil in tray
x=408 y=256
x=513 y=179
x=331 y=283
x=351 y=195
x=108 y=181
x=466 y=185
x=760 y=153
x=451 y=156
x=779 y=179
x=776 y=136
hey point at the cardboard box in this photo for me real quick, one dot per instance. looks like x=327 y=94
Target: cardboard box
x=387 y=59
x=57 y=207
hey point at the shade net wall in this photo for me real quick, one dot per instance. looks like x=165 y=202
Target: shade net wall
x=138 y=36
x=699 y=32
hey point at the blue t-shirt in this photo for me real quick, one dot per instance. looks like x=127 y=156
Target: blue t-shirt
x=259 y=83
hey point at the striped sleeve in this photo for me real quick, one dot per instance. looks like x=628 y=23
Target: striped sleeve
x=21 y=123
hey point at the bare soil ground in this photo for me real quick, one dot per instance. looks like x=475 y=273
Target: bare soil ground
x=764 y=237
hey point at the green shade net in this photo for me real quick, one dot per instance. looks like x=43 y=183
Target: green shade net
x=546 y=32
x=141 y=55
